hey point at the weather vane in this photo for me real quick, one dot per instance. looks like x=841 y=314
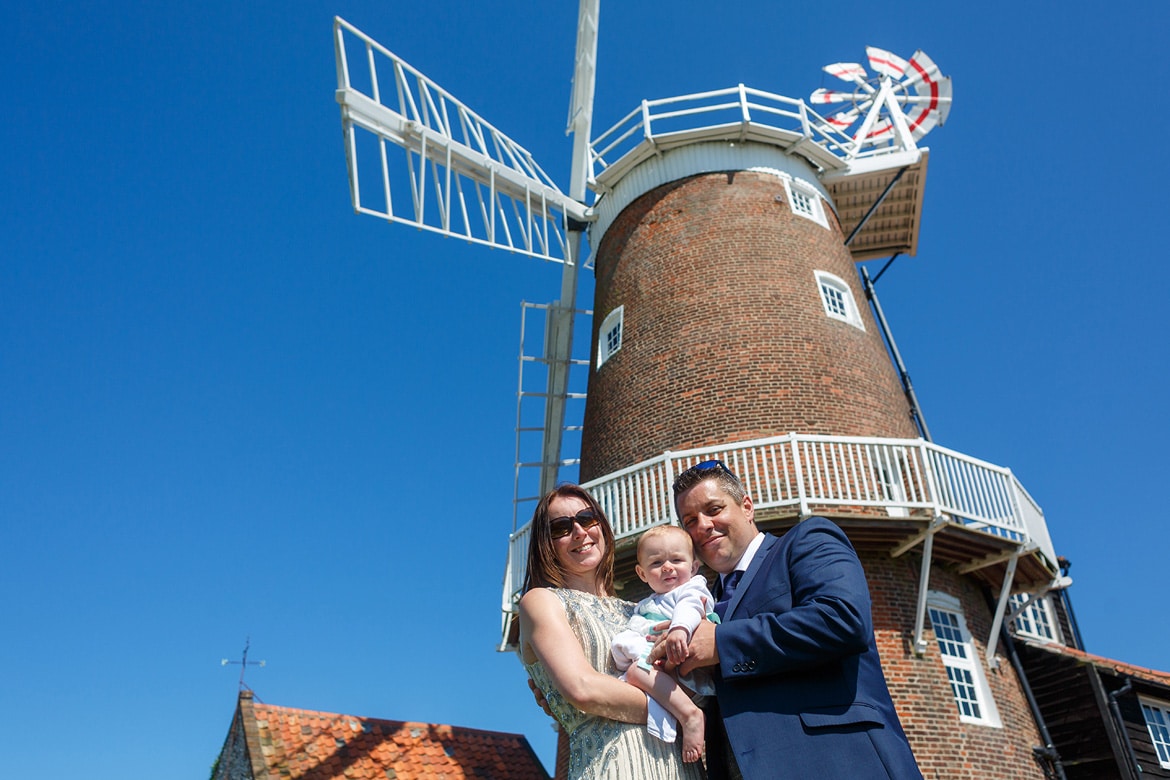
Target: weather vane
x=244 y=663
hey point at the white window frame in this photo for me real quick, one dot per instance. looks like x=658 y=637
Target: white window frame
x=805 y=201
x=1036 y=620
x=837 y=299
x=1157 y=716
x=968 y=683
x=609 y=335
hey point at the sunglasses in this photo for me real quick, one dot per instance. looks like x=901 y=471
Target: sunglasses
x=563 y=526
x=702 y=468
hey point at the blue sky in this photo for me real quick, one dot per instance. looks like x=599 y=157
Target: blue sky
x=230 y=407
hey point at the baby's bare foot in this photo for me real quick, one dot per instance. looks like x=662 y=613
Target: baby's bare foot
x=692 y=732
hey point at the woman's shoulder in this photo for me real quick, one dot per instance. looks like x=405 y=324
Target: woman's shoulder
x=538 y=598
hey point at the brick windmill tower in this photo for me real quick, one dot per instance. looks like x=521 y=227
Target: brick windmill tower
x=731 y=322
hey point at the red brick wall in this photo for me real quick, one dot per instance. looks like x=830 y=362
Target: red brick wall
x=943 y=745
x=725 y=337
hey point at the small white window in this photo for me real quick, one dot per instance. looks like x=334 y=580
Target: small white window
x=1034 y=620
x=609 y=338
x=1157 y=715
x=964 y=671
x=837 y=299
x=805 y=201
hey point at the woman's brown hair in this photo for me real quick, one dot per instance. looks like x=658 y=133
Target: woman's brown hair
x=544 y=571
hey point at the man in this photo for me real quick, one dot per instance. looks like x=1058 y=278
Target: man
x=799 y=686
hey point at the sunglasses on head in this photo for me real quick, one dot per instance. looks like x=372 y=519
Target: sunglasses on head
x=715 y=466
x=563 y=526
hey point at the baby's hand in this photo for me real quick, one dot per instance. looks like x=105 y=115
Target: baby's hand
x=676 y=645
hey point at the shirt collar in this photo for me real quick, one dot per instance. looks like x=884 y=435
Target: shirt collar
x=745 y=560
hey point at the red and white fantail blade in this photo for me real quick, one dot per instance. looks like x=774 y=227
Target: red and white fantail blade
x=846 y=71
x=886 y=63
x=822 y=96
x=882 y=130
x=843 y=119
x=933 y=91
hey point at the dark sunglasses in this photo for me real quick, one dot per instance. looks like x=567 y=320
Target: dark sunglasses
x=712 y=465
x=563 y=526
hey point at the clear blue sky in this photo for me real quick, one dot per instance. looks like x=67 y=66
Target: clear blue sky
x=230 y=407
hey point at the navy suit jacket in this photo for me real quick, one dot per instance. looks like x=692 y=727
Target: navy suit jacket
x=799 y=686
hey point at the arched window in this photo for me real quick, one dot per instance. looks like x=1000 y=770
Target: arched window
x=1035 y=619
x=805 y=201
x=609 y=338
x=837 y=299
x=964 y=669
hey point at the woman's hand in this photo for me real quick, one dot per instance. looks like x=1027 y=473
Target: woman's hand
x=541 y=701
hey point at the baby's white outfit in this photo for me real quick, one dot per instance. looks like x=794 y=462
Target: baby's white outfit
x=687 y=606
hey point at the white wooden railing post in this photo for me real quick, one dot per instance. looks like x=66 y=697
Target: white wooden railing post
x=668 y=482
x=802 y=497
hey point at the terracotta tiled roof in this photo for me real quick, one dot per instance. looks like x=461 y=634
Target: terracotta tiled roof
x=293 y=744
x=1103 y=663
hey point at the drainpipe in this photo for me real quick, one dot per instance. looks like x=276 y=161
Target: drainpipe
x=907 y=386
x=1046 y=753
x=1115 y=708
x=1118 y=739
x=1066 y=600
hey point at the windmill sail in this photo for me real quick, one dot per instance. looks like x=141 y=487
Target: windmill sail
x=456 y=174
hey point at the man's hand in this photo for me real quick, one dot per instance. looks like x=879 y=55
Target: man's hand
x=702 y=651
x=540 y=700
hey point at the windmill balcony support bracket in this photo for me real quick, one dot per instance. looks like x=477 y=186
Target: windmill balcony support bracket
x=894 y=481
x=1005 y=593
x=1058 y=583
x=927 y=539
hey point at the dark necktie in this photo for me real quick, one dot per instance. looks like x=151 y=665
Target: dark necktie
x=729 y=583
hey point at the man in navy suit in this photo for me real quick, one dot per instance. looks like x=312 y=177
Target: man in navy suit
x=799 y=686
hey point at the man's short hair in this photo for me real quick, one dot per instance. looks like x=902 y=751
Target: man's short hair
x=709 y=469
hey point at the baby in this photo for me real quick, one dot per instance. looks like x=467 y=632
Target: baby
x=666 y=562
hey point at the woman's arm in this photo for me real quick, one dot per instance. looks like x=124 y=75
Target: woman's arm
x=545 y=632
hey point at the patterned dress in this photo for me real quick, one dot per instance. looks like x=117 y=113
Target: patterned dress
x=599 y=748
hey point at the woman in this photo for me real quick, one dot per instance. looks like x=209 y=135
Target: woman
x=568 y=616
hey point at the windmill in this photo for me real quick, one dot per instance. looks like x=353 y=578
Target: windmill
x=725 y=229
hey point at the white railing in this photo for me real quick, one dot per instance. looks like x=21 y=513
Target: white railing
x=739 y=111
x=805 y=471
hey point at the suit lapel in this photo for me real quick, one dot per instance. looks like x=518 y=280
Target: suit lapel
x=750 y=574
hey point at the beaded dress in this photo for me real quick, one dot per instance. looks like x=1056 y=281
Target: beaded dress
x=599 y=748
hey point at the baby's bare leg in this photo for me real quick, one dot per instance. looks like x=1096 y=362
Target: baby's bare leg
x=667 y=692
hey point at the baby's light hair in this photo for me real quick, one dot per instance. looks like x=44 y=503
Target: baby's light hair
x=666 y=529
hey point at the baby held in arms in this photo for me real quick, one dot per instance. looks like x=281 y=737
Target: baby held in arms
x=667 y=563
